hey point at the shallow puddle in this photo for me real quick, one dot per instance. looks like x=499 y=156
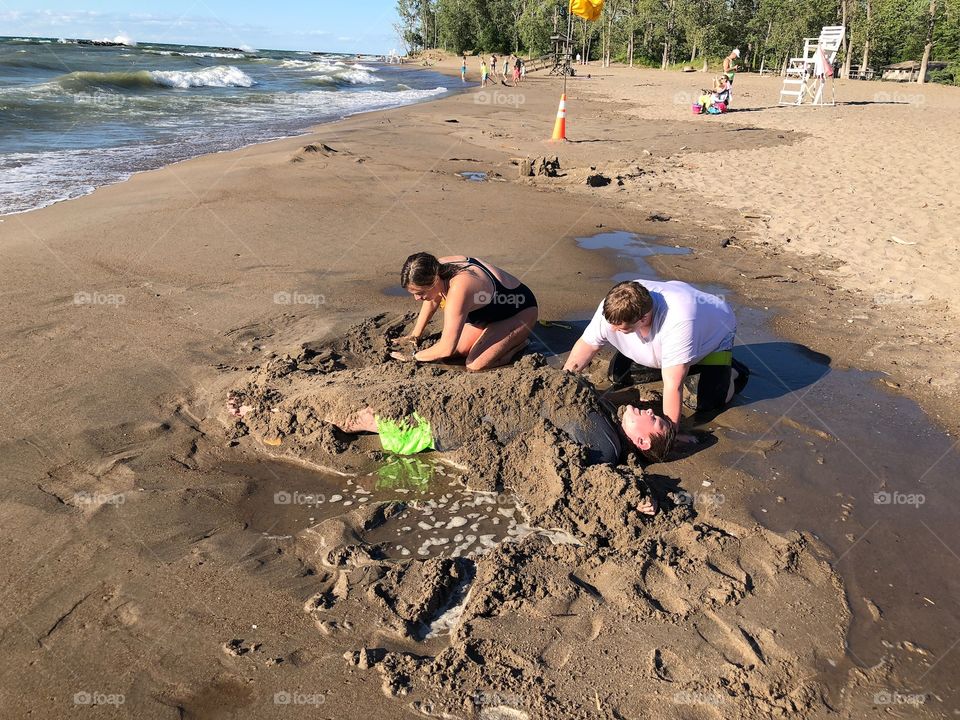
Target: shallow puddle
x=867 y=472
x=631 y=249
x=441 y=518
x=473 y=176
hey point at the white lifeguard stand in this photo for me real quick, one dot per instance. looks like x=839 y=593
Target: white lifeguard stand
x=807 y=76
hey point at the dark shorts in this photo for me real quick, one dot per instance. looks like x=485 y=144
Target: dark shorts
x=712 y=387
x=707 y=386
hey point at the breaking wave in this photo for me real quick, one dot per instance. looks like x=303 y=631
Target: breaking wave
x=219 y=76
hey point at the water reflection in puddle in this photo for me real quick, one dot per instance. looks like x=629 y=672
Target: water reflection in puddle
x=441 y=516
x=633 y=248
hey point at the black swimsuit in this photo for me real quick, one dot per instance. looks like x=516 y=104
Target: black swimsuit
x=505 y=303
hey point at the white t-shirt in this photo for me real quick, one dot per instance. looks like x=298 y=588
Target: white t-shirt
x=688 y=325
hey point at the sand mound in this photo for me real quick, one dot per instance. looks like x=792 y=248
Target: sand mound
x=618 y=615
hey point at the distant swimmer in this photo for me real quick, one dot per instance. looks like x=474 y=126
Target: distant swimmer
x=488 y=313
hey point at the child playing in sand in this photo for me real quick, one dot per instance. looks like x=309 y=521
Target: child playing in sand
x=488 y=314
x=516 y=72
x=719 y=95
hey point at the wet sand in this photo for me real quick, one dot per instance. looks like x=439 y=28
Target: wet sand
x=131 y=308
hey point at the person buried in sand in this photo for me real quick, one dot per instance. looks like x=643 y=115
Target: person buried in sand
x=488 y=314
x=676 y=328
x=571 y=406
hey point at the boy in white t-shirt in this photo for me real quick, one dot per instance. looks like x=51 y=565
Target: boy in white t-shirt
x=676 y=328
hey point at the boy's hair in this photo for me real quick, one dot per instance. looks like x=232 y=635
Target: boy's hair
x=626 y=303
x=662 y=444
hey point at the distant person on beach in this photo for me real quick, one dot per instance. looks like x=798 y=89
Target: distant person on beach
x=675 y=328
x=578 y=58
x=493 y=68
x=720 y=95
x=488 y=313
x=483 y=73
x=730 y=64
x=505 y=68
x=523 y=71
x=463 y=68
x=516 y=72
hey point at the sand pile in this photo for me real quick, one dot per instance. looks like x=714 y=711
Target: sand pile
x=617 y=615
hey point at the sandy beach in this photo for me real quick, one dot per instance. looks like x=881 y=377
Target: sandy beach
x=156 y=560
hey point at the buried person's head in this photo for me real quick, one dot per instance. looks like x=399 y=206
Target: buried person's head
x=628 y=307
x=651 y=433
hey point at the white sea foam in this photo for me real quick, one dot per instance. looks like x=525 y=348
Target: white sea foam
x=233 y=56
x=354 y=77
x=230 y=56
x=123 y=39
x=219 y=76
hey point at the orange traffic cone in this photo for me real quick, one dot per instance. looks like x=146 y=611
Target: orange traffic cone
x=560 y=126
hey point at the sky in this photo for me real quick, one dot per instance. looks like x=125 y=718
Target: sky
x=327 y=25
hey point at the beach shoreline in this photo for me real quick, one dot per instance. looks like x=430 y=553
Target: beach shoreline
x=132 y=304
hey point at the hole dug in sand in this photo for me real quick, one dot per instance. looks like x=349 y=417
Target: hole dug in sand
x=674 y=616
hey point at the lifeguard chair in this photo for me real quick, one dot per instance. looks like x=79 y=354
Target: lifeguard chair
x=807 y=76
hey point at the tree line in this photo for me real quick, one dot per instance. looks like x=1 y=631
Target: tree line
x=666 y=33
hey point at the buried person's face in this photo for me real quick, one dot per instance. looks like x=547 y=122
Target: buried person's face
x=640 y=425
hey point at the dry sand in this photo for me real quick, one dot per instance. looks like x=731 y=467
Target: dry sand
x=132 y=571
